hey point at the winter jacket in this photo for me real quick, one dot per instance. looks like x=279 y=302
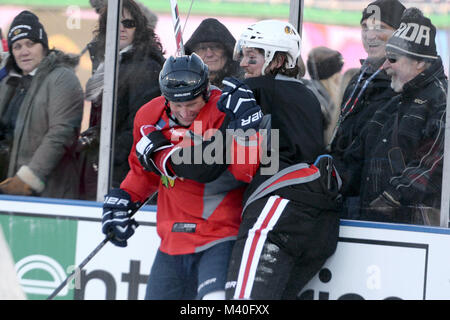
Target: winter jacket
x=357 y=113
x=48 y=123
x=404 y=147
x=138 y=84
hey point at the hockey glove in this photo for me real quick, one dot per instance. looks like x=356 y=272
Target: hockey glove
x=152 y=141
x=239 y=104
x=116 y=220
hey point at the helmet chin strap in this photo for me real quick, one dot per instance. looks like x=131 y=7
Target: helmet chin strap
x=265 y=65
x=267 y=61
x=263 y=69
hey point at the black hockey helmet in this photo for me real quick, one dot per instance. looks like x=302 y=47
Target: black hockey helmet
x=184 y=78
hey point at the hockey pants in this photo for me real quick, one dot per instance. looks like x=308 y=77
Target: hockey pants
x=283 y=243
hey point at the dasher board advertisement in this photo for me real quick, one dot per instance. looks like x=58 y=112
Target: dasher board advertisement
x=373 y=261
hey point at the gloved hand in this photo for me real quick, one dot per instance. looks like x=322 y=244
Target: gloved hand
x=15 y=186
x=88 y=138
x=152 y=140
x=239 y=103
x=116 y=220
x=385 y=203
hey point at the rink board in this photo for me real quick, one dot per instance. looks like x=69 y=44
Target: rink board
x=48 y=238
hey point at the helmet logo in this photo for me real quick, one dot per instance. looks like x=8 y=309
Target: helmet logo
x=182 y=94
x=288 y=30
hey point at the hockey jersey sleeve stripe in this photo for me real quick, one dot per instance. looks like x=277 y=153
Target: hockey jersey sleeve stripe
x=296 y=174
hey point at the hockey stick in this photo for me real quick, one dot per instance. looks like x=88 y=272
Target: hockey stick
x=94 y=252
x=177 y=27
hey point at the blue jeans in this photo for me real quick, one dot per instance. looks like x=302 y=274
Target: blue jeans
x=189 y=276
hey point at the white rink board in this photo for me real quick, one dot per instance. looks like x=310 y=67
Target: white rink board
x=379 y=261
x=372 y=261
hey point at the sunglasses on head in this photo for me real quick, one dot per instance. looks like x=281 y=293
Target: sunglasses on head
x=128 y=23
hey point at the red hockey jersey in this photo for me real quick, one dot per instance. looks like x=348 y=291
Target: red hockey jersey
x=191 y=216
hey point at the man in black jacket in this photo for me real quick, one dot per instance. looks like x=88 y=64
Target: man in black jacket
x=404 y=148
x=366 y=92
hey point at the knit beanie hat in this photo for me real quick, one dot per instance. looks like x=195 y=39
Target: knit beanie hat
x=323 y=62
x=26 y=25
x=390 y=12
x=415 y=37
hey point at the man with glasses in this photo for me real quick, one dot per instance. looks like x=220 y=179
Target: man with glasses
x=366 y=92
x=402 y=173
x=215 y=44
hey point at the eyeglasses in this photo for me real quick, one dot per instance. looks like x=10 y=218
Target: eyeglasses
x=392 y=59
x=203 y=47
x=128 y=23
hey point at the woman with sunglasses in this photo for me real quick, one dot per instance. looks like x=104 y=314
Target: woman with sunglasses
x=141 y=59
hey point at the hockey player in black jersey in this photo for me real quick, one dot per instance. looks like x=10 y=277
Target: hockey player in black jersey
x=291 y=217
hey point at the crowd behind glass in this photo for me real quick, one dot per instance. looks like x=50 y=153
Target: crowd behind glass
x=383 y=122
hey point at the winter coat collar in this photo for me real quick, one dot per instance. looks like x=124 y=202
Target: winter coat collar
x=371 y=66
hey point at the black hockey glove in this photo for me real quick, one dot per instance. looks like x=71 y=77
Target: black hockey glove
x=116 y=220
x=150 y=143
x=239 y=104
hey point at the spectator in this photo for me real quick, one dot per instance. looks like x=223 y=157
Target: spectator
x=141 y=59
x=41 y=105
x=366 y=92
x=324 y=67
x=98 y=5
x=197 y=222
x=402 y=169
x=214 y=44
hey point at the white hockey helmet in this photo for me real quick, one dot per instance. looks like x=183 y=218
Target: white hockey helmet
x=271 y=36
